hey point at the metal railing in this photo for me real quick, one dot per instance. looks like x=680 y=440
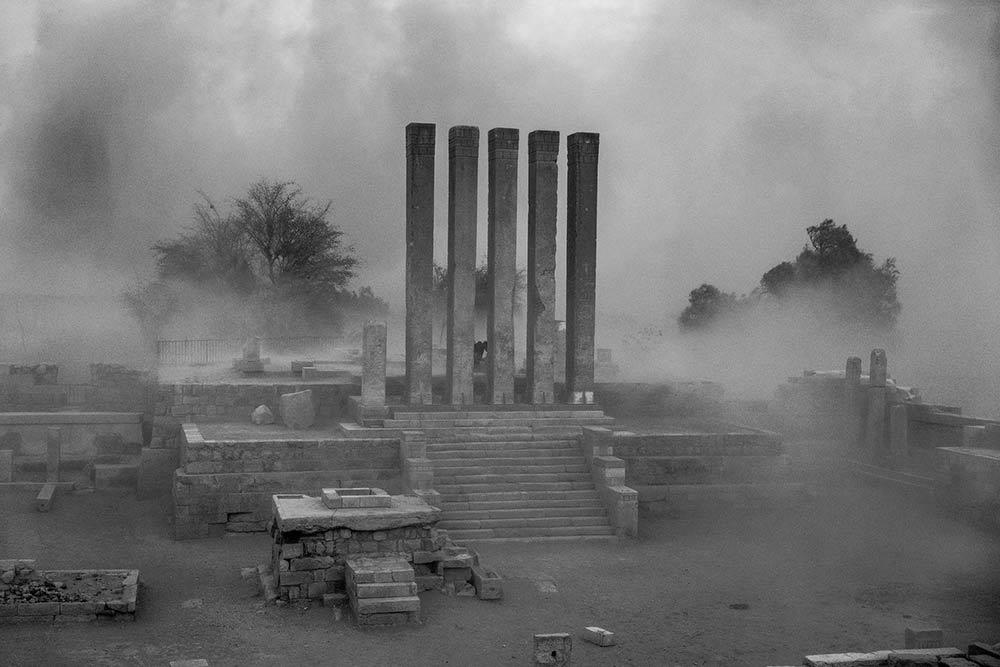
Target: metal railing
x=206 y=351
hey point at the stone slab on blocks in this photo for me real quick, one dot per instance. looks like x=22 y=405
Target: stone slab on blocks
x=553 y=649
x=599 y=636
x=301 y=512
x=297 y=409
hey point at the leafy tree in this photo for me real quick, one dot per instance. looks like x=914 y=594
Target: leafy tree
x=274 y=254
x=707 y=304
x=831 y=273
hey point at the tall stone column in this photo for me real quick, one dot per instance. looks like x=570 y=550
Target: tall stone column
x=543 y=177
x=463 y=184
x=419 y=260
x=581 y=264
x=502 y=257
x=373 y=364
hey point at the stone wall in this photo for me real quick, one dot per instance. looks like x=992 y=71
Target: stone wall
x=227 y=485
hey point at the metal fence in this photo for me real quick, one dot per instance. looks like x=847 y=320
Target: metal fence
x=206 y=351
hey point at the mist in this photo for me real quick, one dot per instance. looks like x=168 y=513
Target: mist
x=726 y=129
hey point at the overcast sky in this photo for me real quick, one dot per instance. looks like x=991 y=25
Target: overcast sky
x=726 y=129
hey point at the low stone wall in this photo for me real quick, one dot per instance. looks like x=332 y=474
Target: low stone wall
x=82 y=433
x=228 y=484
x=18 y=576
x=235 y=402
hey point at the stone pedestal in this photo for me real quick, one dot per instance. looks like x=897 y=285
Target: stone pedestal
x=373 y=364
x=581 y=264
x=543 y=177
x=463 y=183
x=420 y=138
x=502 y=209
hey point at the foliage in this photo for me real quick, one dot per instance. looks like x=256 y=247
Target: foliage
x=831 y=274
x=274 y=255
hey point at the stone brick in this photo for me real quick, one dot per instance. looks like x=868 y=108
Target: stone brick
x=553 y=649
x=297 y=409
x=291 y=550
x=312 y=563
x=402 y=589
x=599 y=636
x=386 y=605
x=295 y=578
x=488 y=584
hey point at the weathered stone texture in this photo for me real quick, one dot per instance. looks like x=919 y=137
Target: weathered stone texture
x=297 y=409
x=581 y=262
x=373 y=364
x=543 y=178
x=420 y=145
x=501 y=258
x=463 y=184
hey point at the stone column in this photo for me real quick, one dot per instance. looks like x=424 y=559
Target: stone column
x=875 y=427
x=543 y=176
x=419 y=260
x=581 y=264
x=502 y=268
x=53 y=443
x=852 y=401
x=373 y=364
x=463 y=185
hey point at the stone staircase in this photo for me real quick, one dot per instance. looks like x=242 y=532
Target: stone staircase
x=511 y=473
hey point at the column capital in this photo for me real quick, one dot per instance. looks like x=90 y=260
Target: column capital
x=463 y=141
x=583 y=146
x=503 y=142
x=420 y=139
x=543 y=146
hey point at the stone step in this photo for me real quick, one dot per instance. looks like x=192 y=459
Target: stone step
x=480 y=458
x=504 y=505
x=486 y=422
x=502 y=434
x=523 y=522
x=443 y=481
x=568 y=444
x=538 y=496
x=523 y=513
x=499 y=414
x=525 y=532
x=516 y=468
x=446 y=489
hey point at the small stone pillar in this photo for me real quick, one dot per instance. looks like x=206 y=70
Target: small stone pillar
x=875 y=427
x=463 y=184
x=501 y=262
x=420 y=144
x=373 y=364
x=53 y=442
x=853 y=406
x=581 y=265
x=543 y=177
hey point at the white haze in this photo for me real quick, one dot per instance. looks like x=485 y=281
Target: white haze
x=726 y=129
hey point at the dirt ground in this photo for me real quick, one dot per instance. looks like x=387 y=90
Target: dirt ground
x=848 y=570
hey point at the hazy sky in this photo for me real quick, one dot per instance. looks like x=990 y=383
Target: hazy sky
x=726 y=128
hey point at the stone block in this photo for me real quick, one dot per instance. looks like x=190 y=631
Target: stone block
x=421 y=557
x=488 y=584
x=919 y=657
x=43 y=502
x=291 y=550
x=6 y=465
x=311 y=563
x=599 y=636
x=262 y=415
x=356 y=497
x=923 y=638
x=408 y=603
x=553 y=649
x=295 y=578
x=386 y=590
x=297 y=409
x=873 y=659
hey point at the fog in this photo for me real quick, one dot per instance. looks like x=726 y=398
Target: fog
x=726 y=129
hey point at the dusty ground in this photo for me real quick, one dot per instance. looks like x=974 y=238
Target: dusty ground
x=847 y=571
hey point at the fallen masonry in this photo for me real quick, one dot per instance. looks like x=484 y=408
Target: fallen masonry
x=28 y=595
x=338 y=547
